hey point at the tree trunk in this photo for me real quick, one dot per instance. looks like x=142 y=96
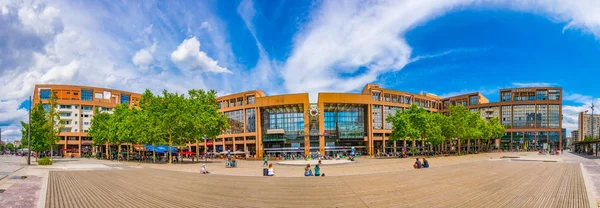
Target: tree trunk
x=118 y=152
x=459 y=148
x=197 y=152
x=169 y=149
x=153 y=153
x=51 y=152
x=468 y=146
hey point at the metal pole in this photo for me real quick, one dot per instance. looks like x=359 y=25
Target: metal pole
x=593 y=127
x=29 y=136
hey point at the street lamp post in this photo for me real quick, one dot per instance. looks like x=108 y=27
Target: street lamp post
x=593 y=127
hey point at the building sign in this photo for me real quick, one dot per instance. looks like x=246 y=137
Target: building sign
x=209 y=143
x=522 y=90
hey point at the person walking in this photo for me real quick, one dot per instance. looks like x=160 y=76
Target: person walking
x=266 y=159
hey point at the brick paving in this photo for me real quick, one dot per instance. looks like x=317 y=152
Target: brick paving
x=475 y=184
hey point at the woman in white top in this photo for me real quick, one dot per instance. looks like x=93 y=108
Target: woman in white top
x=204 y=170
x=271 y=172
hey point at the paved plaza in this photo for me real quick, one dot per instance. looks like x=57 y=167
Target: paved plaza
x=483 y=180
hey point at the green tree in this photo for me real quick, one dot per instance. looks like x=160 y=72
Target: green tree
x=172 y=118
x=123 y=120
x=54 y=124
x=415 y=123
x=38 y=130
x=473 y=132
x=205 y=117
x=101 y=129
x=147 y=121
x=459 y=121
x=445 y=128
x=486 y=134
x=496 y=129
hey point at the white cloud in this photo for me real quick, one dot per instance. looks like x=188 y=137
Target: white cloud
x=57 y=42
x=265 y=70
x=205 y=25
x=344 y=36
x=189 y=57
x=143 y=58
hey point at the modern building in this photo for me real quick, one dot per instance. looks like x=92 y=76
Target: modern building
x=341 y=121
x=575 y=135
x=585 y=125
x=337 y=122
x=76 y=108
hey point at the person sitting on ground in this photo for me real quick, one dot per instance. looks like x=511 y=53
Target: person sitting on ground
x=417 y=164
x=318 y=170
x=307 y=170
x=425 y=163
x=204 y=170
x=271 y=172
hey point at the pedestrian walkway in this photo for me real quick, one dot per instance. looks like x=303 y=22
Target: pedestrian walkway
x=482 y=183
x=10 y=164
x=591 y=170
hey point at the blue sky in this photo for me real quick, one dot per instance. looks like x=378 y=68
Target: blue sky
x=443 y=47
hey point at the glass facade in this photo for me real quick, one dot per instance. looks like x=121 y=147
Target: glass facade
x=250 y=120
x=541 y=95
x=506 y=96
x=236 y=122
x=554 y=116
x=388 y=111
x=474 y=100
x=506 y=116
x=250 y=99
x=376 y=96
x=45 y=94
x=523 y=116
x=377 y=117
x=124 y=99
x=554 y=94
x=86 y=94
x=348 y=123
x=541 y=116
x=290 y=119
x=553 y=139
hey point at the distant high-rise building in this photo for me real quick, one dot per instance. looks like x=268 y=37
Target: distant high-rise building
x=585 y=125
x=575 y=135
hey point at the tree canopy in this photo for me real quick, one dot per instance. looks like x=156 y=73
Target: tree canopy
x=416 y=123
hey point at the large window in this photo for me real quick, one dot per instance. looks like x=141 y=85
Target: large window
x=250 y=99
x=541 y=95
x=348 y=123
x=554 y=116
x=377 y=117
x=124 y=99
x=287 y=118
x=86 y=94
x=523 y=116
x=376 y=95
x=250 y=120
x=506 y=97
x=474 y=100
x=541 y=116
x=45 y=94
x=554 y=94
x=506 y=116
x=236 y=122
x=388 y=111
